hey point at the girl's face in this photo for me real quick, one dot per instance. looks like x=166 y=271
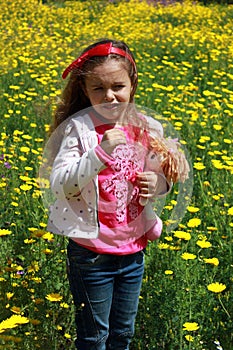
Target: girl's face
x=108 y=88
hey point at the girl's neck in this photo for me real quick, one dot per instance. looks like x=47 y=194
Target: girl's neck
x=112 y=123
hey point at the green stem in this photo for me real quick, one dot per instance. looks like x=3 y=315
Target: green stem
x=223 y=306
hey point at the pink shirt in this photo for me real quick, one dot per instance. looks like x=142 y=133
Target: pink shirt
x=119 y=212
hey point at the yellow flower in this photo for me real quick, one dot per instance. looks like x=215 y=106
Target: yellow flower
x=199 y=166
x=24 y=149
x=227 y=141
x=68 y=336
x=216 y=287
x=36 y=279
x=22 y=158
x=189 y=337
x=14 y=87
x=194 y=222
x=230 y=211
x=204 y=244
x=36 y=232
x=9 y=295
x=208 y=93
x=204 y=139
x=48 y=236
x=29 y=241
x=46 y=126
x=217 y=127
x=188 y=256
x=217 y=164
x=17 y=132
x=47 y=251
x=192 y=209
x=168 y=238
x=16 y=309
x=182 y=235
x=64 y=305
x=33 y=267
x=25 y=178
x=211 y=228
x=27 y=137
x=54 y=297
x=28 y=168
x=163 y=246
x=12 y=322
x=190 y=326
x=213 y=261
x=179 y=124
x=25 y=187
x=168 y=272
x=5 y=232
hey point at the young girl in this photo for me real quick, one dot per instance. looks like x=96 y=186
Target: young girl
x=98 y=180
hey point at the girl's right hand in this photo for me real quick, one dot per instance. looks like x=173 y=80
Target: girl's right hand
x=111 y=139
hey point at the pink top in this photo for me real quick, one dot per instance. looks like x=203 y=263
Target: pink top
x=119 y=212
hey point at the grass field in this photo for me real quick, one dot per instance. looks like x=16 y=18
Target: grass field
x=184 y=53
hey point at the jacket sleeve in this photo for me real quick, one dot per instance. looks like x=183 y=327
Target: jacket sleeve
x=73 y=167
x=155 y=127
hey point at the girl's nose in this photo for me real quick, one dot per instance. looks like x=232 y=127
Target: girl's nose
x=109 y=95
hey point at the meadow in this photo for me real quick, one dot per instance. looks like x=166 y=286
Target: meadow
x=184 y=53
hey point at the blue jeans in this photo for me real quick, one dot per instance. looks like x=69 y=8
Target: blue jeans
x=106 y=291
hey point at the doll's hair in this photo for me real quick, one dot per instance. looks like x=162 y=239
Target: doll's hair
x=73 y=98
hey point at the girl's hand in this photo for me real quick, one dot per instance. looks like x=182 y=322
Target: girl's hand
x=111 y=139
x=150 y=184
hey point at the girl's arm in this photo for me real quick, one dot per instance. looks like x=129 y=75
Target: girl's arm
x=74 y=167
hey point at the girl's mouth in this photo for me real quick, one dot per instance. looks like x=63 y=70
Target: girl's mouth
x=110 y=106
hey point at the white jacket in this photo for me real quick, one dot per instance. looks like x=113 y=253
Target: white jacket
x=74 y=179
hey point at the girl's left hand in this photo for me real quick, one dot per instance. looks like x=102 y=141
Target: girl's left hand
x=148 y=184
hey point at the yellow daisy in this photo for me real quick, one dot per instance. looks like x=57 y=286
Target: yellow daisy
x=216 y=287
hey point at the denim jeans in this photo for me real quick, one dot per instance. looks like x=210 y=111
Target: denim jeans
x=106 y=291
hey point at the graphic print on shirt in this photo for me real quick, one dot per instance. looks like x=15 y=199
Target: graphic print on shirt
x=128 y=160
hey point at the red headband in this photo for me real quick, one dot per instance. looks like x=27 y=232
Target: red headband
x=99 y=50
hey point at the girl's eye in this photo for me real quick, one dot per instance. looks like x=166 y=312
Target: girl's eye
x=118 y=87
x=114 y=88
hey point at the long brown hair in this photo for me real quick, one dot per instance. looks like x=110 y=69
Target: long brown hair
x=73 y=98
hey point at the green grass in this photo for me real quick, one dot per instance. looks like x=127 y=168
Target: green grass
x=184 y=55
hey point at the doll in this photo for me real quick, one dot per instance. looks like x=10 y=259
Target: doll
x=166 y=157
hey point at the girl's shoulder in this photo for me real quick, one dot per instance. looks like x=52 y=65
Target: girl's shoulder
x=80 y=122
x=154 y=126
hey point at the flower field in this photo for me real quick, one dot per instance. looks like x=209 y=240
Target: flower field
x=184 y=53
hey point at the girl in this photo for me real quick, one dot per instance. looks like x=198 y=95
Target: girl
x=98 y=180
